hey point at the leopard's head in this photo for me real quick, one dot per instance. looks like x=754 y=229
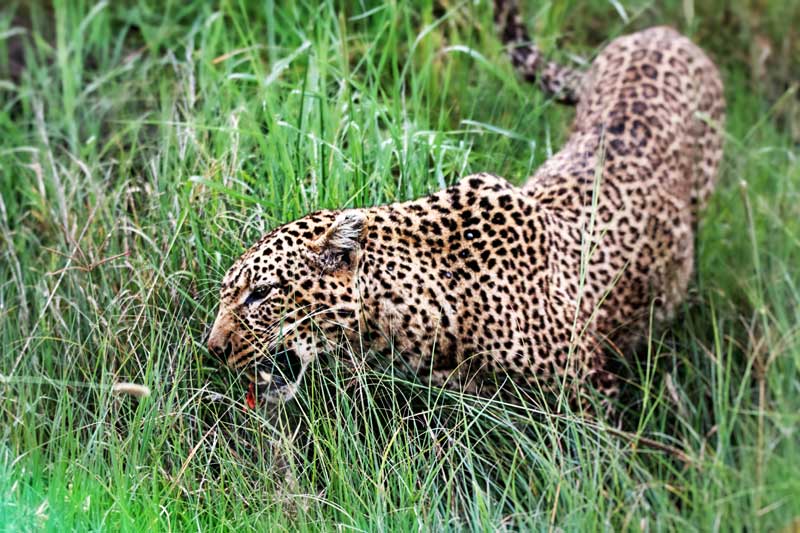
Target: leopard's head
x=289 y=298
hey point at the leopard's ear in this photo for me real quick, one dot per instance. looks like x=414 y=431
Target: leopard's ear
x=336 y=248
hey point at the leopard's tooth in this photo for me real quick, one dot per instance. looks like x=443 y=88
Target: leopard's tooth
x=266 y=378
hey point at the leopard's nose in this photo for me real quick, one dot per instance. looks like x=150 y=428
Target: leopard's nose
x=219 y=347
x=219 y=338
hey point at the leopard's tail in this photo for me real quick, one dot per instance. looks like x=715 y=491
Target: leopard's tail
x=562 y=82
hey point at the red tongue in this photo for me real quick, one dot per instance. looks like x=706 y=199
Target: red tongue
x=250 y=399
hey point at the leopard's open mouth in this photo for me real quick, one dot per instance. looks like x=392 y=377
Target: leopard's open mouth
x=274 y=379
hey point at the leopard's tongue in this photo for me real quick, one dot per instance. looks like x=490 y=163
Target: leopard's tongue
x=250 y=399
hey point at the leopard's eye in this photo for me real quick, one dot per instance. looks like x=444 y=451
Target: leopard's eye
x=258 y=294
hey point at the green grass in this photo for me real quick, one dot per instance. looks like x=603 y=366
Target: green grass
x=143 y=147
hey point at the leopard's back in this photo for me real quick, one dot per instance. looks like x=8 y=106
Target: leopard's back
x=639 y=164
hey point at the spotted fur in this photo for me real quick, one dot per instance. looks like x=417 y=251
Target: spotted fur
x=484 y=280
x=561 y=82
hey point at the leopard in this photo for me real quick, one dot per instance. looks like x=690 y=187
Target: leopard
x=487 y=284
